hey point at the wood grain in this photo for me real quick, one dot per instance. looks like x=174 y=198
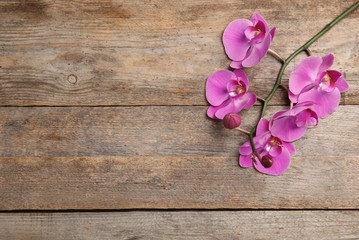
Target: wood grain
x=118 y=122
x=320 y=182
x=182 y=225
x=165 y=157
x=153 y=131
x=87 y=53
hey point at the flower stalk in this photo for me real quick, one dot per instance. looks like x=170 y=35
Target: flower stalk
x=284 y=87
x=288 y=60
x=260 y=99
x=242 y=130
x=276 y=55
x=308 y=52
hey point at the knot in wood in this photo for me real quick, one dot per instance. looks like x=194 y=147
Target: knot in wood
x=72 y=78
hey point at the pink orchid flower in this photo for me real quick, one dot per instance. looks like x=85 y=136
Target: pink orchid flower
x=290 y=125
x=246 y=42
x=226 y=91
x=269 y=148
x=312 y=81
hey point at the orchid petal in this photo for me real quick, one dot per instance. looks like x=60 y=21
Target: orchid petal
x=326 y=102
x=327 y=62
x=272 y=32
x=340 y=82
x=262 y=127
x=254 y=34
x=236 y=64
x=246 y=149
x=280 y=164
x=287 y=129
x=258 y=52
x=304 y=74
x=235 y=42
x=256 y=17
x=211 y=112
x=216 y=87
x=240 y=102
x=274 y=151
x=292 y=97
x=252 y=99
x=278 y=115
x=241 y=76
x=289 y=147
x=301 y=107
x=235 y=106
x=245 y=161
x=262 y=140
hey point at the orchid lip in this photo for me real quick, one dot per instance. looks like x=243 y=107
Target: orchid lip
x=326 y=78
x=237 y=92
x=273 y=142
x=325 y=82
x=235 y=88
x=304 y=118
x=254 y=34
x=268 y=148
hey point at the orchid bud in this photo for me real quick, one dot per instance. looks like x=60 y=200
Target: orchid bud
x=267 y=161
x=231 y=120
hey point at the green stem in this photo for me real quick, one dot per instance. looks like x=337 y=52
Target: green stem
x=288 y=60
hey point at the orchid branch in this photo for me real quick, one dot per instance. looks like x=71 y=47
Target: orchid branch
x=288 y=60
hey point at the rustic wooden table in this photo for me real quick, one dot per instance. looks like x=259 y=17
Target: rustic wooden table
x=104 y=133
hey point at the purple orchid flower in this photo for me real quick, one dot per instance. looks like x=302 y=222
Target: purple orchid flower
x=312 y=81
x=226 y=91
x=246 y=42
x=290 y=125
x=270 y=148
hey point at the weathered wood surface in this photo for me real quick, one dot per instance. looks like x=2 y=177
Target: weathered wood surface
x=152 y=52
x=154 y=131
x=324 y=225
x=127 y=56
x=165 y=157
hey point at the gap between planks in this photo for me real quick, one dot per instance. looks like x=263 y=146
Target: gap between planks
x=176 y=210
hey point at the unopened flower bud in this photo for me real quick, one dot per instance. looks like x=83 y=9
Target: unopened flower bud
x=267 y=161
x=231 y=120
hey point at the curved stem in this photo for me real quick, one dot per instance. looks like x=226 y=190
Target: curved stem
x=261 y=99
x=308 y=52
x=284 y=87
x=242 y=130
x=275 y=55
x=288 y=60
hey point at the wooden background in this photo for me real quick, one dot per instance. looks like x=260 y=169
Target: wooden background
x=104 y=133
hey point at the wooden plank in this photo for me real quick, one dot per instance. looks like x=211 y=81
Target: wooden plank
x=321 y=182
x=152 y=131
x=151 y=53
x=182 y=225
x=165 y=157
